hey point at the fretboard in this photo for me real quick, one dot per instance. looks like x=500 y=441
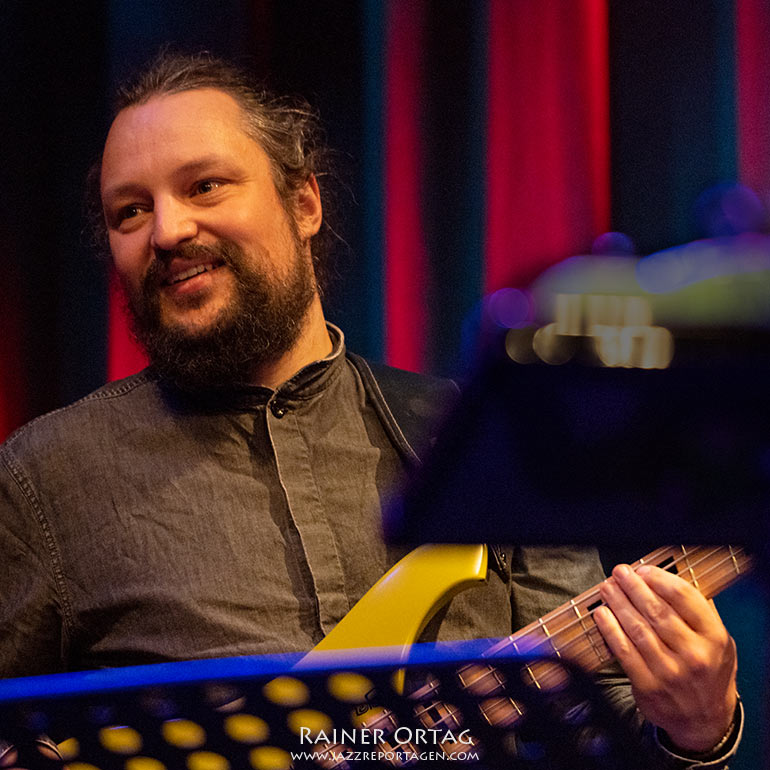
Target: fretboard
x=569 y=631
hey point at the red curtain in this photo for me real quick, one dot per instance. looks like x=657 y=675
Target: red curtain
x=124 y=356
x=548 y=188
x=752 y=27
x=406 y=274
x=14 y=406
x=547 y=183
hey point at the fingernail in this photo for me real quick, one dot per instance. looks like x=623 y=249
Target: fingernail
x=623 y=570
x=643 y=570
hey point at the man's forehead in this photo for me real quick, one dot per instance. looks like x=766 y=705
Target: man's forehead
x=203 y=107
x=184 y=128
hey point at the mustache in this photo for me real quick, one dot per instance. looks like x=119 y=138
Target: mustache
x=223 y=252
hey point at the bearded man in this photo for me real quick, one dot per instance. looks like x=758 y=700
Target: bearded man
x=227 y=500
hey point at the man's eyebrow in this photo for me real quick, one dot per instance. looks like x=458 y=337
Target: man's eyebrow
x=128 y=190
x=197 y=166
x=200 y=164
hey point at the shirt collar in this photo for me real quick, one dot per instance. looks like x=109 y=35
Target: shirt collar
x=316 y=376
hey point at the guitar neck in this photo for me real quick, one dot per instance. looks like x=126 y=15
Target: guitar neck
x=569 y=631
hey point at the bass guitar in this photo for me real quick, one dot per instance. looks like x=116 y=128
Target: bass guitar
x=395 y=611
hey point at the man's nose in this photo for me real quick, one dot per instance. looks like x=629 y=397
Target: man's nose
x=173 y=223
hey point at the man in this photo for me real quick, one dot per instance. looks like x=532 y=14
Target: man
x=227 y=501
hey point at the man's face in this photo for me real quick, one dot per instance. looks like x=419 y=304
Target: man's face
x=206 y=251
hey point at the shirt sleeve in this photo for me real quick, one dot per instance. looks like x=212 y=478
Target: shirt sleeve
x=545 y=577
x=31 y=632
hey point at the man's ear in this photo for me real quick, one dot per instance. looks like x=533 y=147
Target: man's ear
x=308 y=212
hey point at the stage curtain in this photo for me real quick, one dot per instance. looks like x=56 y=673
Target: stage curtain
x=548 y=136
x=406 y=254
x=752 y=24
x=124 y=356
x=14 y=404
x=533 y=165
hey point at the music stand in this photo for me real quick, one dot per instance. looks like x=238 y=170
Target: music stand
x=584 y=455
x=243 y=713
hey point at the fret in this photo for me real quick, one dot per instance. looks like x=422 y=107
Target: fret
x=438 y=713
x=501 y=647
x=476 y=679
x=548 y=636
x=727 y=569
x=527 y=667
x=535 y=636
x=597 y=650
x=693 y=579
x=532 y=676
x=501 y=711
x=587 y=650
x=736 y=567
x=656 y=557
x=600 y=649
x=574 y=637
x=599 y=646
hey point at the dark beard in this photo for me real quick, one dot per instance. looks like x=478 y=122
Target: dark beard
x=263 y=322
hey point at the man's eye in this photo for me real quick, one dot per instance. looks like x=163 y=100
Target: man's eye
x=128 y=212
x=206 y=186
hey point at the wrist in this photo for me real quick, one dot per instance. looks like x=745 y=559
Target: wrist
x=693 y=751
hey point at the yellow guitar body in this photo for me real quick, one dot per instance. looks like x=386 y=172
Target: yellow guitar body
x=396 y=609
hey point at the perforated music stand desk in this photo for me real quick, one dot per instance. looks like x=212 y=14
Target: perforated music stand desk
x=223 y=714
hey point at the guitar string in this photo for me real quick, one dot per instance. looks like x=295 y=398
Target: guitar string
x=688 y=576
x=589 y=596
x=704 y=552
x=593 y=594
x=552 y=671
x=736 y=553
x=549 y=667
x=585 y=633
x=549 y=672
